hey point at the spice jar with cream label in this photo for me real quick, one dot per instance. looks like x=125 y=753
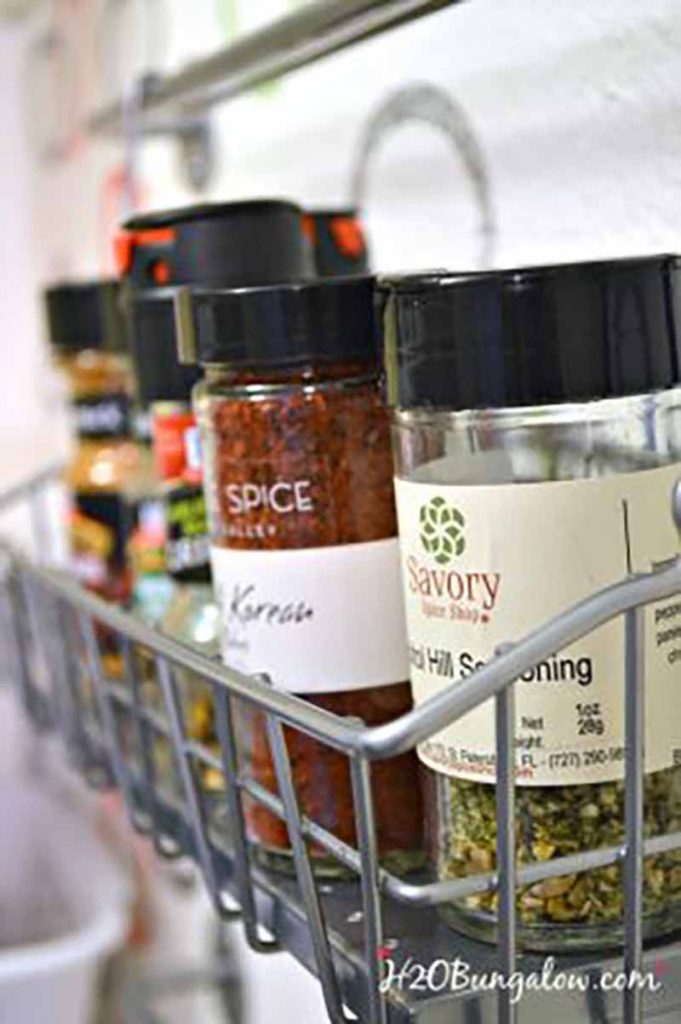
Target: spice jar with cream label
x=304 y=549
x=537 y=427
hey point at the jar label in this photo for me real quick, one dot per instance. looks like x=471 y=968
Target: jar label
x=99 y=528
x=187 y=544
x=486 y=565
x=170 y=437
x=315 y=620
x=103 y=415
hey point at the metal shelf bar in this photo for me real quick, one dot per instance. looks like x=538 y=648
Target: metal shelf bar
x=224 y=725
x=164 y=845
x=326 y=970
x=292 y=42
x=93 y=662
x=634 y=753
x=397 y=737
x=192 y=795
x=371 y=895
x=506 y=851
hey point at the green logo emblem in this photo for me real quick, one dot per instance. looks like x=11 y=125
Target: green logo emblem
x=442 y=530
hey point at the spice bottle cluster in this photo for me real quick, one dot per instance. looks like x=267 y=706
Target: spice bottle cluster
x=368 y=484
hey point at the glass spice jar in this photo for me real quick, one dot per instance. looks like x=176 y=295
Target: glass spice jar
x=250 y=242
x=537 y=429
x=86 y=338
x=218 y=244
x=304 y=553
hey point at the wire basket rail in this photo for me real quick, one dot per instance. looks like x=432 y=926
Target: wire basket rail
x=131 y=731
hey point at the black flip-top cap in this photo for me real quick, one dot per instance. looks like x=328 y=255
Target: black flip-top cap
x=239 y=244
x=84 y=315
x=338 y=241
x=533 y=335
x=215 y=245
x=320 y=321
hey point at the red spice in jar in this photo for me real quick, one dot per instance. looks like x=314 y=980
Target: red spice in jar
x=298 y=458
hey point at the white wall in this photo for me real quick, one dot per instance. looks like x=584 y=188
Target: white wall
x=576 y=109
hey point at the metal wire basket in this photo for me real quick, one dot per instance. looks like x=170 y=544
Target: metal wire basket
x=116 y=730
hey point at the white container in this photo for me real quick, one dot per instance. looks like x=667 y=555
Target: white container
x=62 y=909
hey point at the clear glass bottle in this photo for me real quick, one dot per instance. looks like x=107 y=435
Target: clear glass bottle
x=298 y=485
x=233 y=244
x=86 y=339
x=537 y=427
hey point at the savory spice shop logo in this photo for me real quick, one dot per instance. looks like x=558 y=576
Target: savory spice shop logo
x=449 y=589
x=442 y=530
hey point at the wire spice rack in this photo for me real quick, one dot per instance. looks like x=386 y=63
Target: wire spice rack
x=115 y=728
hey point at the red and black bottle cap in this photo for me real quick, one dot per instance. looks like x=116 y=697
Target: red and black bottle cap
x=255 y=242
x=338 y=242
x=84 y=315
x=286 y=325
x=534 y=335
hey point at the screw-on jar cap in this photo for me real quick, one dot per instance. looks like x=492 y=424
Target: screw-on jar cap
x=321 y=321
x=256 y=242
x=84 y=315
x=533 y=336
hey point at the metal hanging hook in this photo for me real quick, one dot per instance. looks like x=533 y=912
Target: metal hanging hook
x=428 y=104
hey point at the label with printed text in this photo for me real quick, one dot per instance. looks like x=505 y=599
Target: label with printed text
x=486 y=565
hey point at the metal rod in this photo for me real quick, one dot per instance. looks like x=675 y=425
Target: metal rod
x=164 y=845
x=86 y=752
x=402 y=734
x=22 y=643
x=565 y=629
x=634 y=762
x=506 y=853
x=371 y=894
x=313 y=908
x=94 y=665
x=434 y=893
x=204 y=854
x=224 y=725
x=299 y=39
x=25 y=488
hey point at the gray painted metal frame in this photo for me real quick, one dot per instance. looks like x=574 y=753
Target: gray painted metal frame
x=39 y=597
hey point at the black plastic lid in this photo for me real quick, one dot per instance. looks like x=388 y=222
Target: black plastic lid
x=255 y=242
x=322 y=321
x=534 y=335
x=338 y=241
x=160 y=376
x=84 y=315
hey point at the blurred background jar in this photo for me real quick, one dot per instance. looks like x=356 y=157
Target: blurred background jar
x=304 y=550
x=239 y=243
x=86 y=336
x=537 y=425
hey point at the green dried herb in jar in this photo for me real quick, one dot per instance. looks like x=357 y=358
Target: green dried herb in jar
x=537 y=424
